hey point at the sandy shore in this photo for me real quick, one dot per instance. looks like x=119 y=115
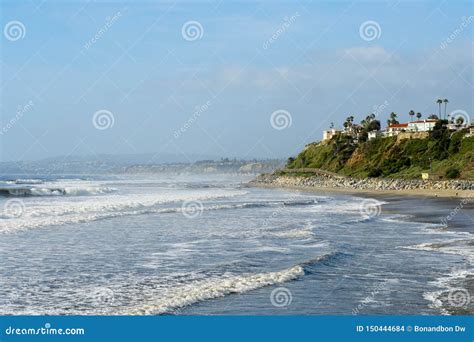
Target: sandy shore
x=445 y=193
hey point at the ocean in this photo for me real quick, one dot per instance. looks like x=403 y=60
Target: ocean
x=210 y=245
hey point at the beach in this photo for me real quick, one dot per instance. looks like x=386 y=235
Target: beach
x=328 y=183
x=212 y=245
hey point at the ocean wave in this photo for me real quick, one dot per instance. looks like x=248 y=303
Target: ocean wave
x=92 y=209
x=449 y=285
x=202 y=290
x=293 y=233
x=27 y=181
x=462 y=247
x=54 y=191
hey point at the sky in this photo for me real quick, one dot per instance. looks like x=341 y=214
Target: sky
x=243 y=79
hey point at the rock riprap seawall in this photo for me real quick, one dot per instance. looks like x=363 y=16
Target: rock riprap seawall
x=369 y=184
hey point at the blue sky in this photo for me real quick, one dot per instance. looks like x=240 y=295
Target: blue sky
x=150 y=79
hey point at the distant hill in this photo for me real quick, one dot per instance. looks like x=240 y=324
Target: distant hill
x=136 y=164
x=450 y=155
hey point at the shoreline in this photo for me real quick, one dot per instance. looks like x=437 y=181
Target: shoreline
x=432 y=193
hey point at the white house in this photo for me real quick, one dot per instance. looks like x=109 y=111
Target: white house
x=471 y=131
x=456 y=127
x=395 y=129
x=327 y=135
x=421 y=125
x=373 y=135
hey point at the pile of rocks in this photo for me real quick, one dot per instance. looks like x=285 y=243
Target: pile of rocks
x=328 y=181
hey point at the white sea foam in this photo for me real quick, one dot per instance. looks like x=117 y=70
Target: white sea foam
x=460 y=247
x=71 y=191
x=293 y=233
x=38 y=214
x=198 y=291
x=447 y=283
x=28 y=181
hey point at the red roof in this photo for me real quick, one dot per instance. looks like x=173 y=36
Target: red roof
x=398 y=125
x=422 y=121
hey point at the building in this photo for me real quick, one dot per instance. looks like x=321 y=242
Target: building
x=421 y=126
x=456 y=127
x=410 y=127
x=471 y=132
x=373 y=135
x=395 y=129
x=327 y=135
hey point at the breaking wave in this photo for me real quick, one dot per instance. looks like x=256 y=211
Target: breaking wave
x=198 y=291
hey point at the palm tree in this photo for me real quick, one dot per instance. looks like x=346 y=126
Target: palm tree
x=459 y=121
x=439 y=102
x=412 y=114
x=445 y=105
x=433 y=117
x=418 y=115
x=393 y=119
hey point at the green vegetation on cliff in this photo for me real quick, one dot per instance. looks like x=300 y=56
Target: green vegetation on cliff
x=448 y=154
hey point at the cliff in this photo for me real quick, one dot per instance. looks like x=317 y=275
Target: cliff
x=443 y=154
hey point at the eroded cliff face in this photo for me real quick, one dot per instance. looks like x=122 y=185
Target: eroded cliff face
x=404 y=156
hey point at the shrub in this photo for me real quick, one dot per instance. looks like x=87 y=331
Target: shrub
x=452 y=173
x=376 y=172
